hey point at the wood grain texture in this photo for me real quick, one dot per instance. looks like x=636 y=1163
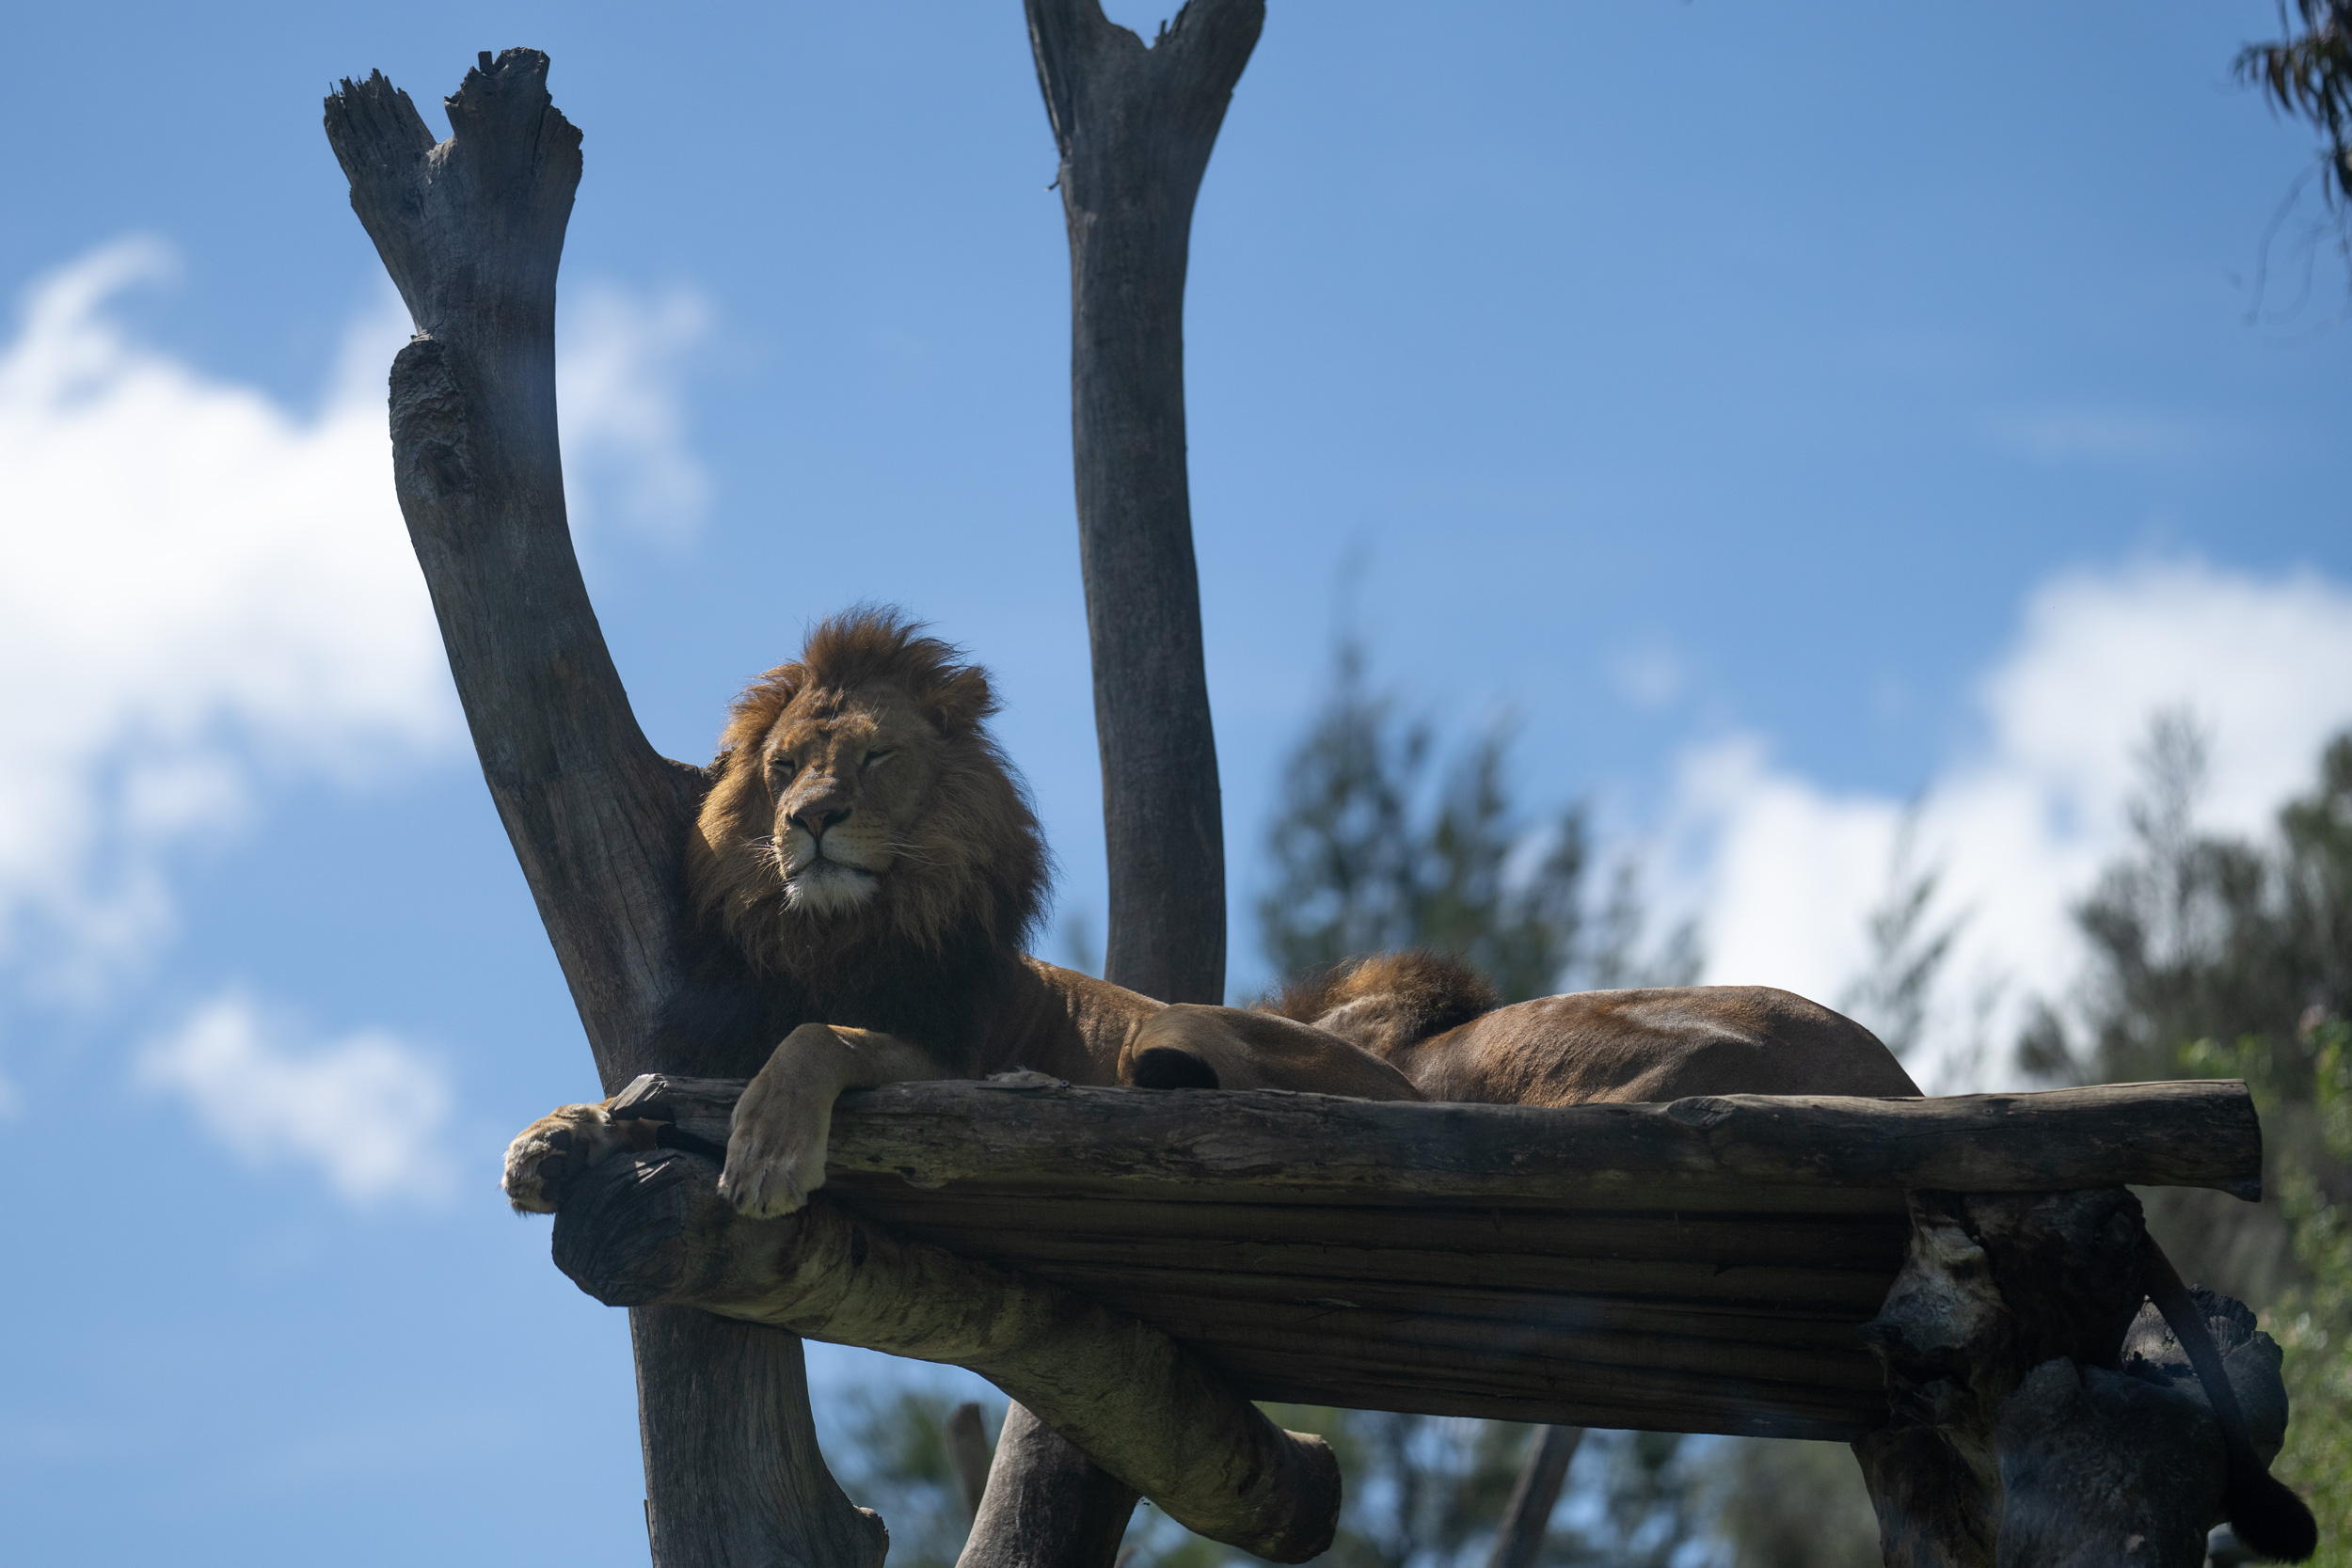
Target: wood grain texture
x=1706 y=1265
x=1025 y=1131
x=1134 y=125
x=471 y=230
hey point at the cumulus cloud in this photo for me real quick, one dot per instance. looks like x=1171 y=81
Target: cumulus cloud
x=620 y=366
x=197 y=587
x=2020 y=825
x=204 y=592
x=201 y=589
x=367 y=1110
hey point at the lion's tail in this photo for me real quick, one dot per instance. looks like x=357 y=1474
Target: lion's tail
x=1404 y=997
x=2264 y=1512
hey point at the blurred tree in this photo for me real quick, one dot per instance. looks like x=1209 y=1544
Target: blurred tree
x=1896 y=987
x=1367 y=854
x=1784 y=1504
x=895 y=1460
x=2308 y=74
x=2195 y=936
x=2222 y=957
x=1368 y=851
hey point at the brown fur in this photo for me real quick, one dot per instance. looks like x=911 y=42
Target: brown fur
x=1438 y=1022
x=1387 y=1000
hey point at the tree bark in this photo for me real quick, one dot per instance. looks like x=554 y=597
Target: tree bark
x=471 y=231
x=2040 y=1416
x=1252 y=1144
x=1134 y=127
x=1672 y=1266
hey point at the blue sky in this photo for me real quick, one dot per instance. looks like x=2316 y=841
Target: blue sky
x=1781 y=414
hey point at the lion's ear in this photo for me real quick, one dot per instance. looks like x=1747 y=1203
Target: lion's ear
x=958 y=699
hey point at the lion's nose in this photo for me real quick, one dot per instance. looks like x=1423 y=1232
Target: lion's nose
x=815 y=822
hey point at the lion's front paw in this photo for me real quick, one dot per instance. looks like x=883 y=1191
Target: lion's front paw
x=558 y=1146
x=776 y=1150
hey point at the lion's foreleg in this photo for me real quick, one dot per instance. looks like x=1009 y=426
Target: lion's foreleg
x=776 y=1148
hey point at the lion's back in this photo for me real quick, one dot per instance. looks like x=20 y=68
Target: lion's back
x=1652 y=1045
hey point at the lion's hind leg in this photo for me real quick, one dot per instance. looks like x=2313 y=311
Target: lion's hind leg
x=1188 y=1046
x=561 y=1145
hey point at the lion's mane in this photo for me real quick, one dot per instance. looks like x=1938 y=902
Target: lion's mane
x=967 y=886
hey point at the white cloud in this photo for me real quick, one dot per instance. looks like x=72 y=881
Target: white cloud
x=1650 y=676
x=197 y=587
x=2021 y=825
x=619 y=366
x=368 y=1110
x=202 y=589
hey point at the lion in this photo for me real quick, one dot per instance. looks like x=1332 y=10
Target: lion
x=874 y=860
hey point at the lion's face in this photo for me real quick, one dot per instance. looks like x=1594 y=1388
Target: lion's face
x=861 y=807
x=846 y=782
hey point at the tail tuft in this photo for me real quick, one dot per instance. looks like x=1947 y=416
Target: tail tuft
x=1386 y=1000
x=2266 y=1515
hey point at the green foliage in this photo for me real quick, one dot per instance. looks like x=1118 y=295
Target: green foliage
x=2226 y=958
x=895 y=1461
x=1370 y=852
x=1785 y=1504
x=2312 y=1318
x=2308 y=74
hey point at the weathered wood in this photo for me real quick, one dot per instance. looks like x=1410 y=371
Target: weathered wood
x=471 y=230
x=1667 y=1266
x=1047 y=1505
x=651 y=1229
x=1024 y=1129
x=1528 y=1515
x=1135 y=126
x=2021 y=1431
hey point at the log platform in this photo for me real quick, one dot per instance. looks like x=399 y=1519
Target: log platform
x=1700 y=1266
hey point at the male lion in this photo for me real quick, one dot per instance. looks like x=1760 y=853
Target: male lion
x=873 y=858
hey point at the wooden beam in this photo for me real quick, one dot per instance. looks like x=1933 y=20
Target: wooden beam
x=1669 y=1266
x=1026 y=1129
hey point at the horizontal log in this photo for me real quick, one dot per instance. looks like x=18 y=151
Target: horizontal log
x=1025 y=1128
x=651 y=1229
x=1622 y=1265
x=1338 y=1239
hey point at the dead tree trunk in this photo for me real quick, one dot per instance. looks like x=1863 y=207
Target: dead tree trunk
x=1135 y=126
x=471 y=231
